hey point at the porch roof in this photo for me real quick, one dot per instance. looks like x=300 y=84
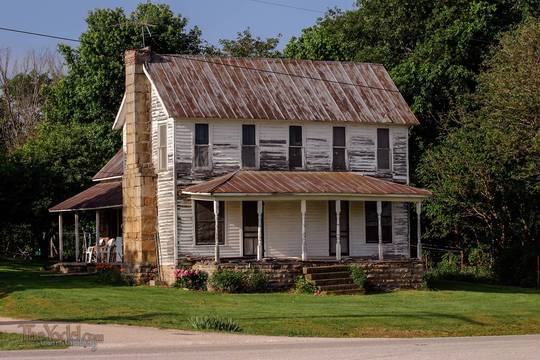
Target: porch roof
x=299 y=183
x=104 y=195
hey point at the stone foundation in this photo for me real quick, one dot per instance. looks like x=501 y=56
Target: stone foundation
x=381 y=275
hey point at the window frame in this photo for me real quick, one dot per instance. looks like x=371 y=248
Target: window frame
x=301 y=147
x=344 y=147
x=254 y=146
x=389 y=148
x=389 y=217
x=163 y=153
x=208 y=146
x=222 y=218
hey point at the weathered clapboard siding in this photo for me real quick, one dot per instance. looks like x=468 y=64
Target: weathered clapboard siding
x=318 y=147
x=273 y=146
x=184 y=138
x=317 y=231
x=399 y=143
x=400 y=229
x=362 y=149
x=282 y=229
x=165 y=182
x=187 y=245
x=226 y=140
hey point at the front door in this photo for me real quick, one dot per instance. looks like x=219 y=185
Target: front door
x=250 y=227
x=343 y=227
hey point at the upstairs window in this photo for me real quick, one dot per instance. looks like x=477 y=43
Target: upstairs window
x=338 y=149
x=372 y=227
x=205 y=225
x=295 y=147
x=201 y=145
x=383 y=149
x=249 y=146
x=162 y=144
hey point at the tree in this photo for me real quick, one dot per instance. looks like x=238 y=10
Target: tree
x=484 y=174
x=246 y=45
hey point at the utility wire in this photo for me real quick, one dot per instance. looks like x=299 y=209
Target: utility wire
x=38 y=34
x=287 y=6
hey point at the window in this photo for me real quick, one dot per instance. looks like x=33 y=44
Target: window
x=295 y=147
x=338 y=158
x=372 y=228
x=249 y=146
x=205 y=224
x=201 y=145
x=383 y=149
x=162 y=143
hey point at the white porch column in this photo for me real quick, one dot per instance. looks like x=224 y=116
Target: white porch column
x=338 y=235
x=304 y=243
x=259 y=230
x=60 y=238
x=76 y=236
x=216 y=230
x=97 y=237
x=379 y=230
x=419 y=230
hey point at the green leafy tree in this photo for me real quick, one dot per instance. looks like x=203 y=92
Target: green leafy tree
x=246 y=45
x=484 y=174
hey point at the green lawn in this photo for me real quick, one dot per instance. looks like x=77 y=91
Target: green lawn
x=456 y=309
x=18 y=342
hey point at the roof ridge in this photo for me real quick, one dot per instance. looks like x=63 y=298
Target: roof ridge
x=226 y=178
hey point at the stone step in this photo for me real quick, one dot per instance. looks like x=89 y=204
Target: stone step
x=325 y=269
x=338 y=287
x=330 y=275
x=345 y=292
x=336 y=281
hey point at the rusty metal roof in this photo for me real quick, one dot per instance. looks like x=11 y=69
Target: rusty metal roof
x=277 y=89
x=113 y=168
x=302 y=182
x=100 y=196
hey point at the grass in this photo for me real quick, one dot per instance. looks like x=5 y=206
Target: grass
x=456 y=309
x=10 y=341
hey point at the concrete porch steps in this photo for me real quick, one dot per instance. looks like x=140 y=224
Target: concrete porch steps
x=332 y=280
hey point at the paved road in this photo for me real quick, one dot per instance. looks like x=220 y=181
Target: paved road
x=130 y=342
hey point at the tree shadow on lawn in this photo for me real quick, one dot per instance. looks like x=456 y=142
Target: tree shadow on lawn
x=448 y=285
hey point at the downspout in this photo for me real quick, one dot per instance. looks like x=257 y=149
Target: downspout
x=175 y=196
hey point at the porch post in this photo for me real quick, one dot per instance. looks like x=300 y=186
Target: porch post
x=419 y=230
x=379 y=229
x=304 y=244
x=60 y=238
x=259 y=230
x=216 y=230
x=76 y=236
x=97 y=237
x=338 y=235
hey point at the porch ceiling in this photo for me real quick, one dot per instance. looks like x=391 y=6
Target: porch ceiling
x=309 y=184
x=101 y=196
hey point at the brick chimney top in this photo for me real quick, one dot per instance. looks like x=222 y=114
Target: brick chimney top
x=138 y=56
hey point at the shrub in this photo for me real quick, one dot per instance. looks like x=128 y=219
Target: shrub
x=228 y=281
x=190 y=279
x=358 y=275
x=304 y=286
x=214 y=323
x=108 y=274
x=256 y=281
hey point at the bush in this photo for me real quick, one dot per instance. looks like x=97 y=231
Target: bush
x=228 y=281
x=304 y=286
x=190 y=279
x=358 y=275
x=214 y=323
x=256 y=281
x=108 y=274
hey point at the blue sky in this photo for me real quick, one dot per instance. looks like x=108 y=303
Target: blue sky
x=217 y=18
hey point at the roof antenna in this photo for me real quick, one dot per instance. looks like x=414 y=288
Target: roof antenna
x=145 y=25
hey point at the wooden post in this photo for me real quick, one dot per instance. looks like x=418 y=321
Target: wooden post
x=97 y=237
x=419 y=230
x=60 y=238
x=379 y=230
x=538 y=271
x=216 y=230
x=76 y=236
x=304 y=243
x=338 y=235
x=462 y=259
x=259 y=230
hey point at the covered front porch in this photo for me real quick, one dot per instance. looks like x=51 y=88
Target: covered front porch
x=304 y=215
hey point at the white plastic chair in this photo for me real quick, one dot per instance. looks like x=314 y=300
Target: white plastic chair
x=90 y=255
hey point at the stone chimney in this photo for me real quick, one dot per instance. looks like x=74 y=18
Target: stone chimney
x=139 y=180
